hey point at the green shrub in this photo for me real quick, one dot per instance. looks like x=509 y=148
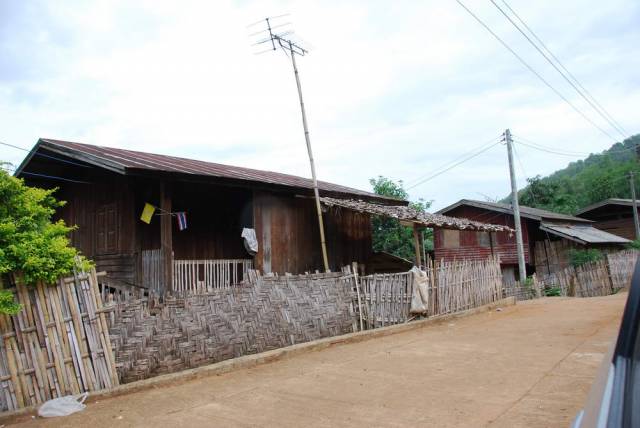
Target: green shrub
x=31 y=244
x=553 y=292
x=633 y=245
x=582 y=257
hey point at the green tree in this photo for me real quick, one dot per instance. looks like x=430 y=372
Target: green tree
x=388 y=234
x=584 y=182
x=31 y=244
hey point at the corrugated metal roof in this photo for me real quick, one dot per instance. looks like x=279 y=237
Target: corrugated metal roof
x=412 y=215
x=583 y=233
x=125 y=161
x=610 y=201
x=527 y=212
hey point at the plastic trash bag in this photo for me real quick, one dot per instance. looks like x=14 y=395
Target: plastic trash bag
x=63 y=406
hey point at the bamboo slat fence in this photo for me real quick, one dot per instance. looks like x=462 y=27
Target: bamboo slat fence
x=621 y=265
x=385 y=299
x=57 y=345
x=199 y=276
x=152 y=272
x=599 y=278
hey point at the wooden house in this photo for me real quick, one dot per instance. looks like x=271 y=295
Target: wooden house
x=547 y=237
x=107 y=189
x=611 y=215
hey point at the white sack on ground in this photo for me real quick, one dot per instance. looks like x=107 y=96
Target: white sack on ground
x=420 y=294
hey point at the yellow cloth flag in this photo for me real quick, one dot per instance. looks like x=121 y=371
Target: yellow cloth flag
x=147 y=213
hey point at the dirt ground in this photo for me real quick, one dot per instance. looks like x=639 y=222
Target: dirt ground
x=529 y=365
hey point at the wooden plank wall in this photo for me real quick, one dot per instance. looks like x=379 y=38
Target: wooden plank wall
x=288 y=237
x=103 y=214
x=502 y=245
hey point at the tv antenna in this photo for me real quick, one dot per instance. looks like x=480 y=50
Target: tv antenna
x=283 y=41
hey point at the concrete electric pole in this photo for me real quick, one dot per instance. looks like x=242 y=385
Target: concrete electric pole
x=522 y=269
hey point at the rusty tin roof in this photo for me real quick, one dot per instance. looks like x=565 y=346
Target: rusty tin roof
x=131 y=162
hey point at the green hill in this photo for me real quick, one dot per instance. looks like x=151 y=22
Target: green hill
x=599 y=176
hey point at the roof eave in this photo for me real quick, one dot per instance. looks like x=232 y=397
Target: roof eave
x=563 y=235
x=81 y=156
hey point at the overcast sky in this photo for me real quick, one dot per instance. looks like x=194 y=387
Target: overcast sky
x=391 y=88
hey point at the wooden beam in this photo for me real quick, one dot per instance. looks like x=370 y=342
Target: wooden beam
x=416 y=240
x=166 y=237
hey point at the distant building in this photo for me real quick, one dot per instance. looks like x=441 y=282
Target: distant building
x=547 y=236
x=612 y=215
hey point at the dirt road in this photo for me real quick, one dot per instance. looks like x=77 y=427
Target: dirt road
x=529 y=365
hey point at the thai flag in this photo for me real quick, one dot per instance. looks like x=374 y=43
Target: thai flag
x=182 y=220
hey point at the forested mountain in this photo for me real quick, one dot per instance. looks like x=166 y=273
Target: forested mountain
x=581 y=183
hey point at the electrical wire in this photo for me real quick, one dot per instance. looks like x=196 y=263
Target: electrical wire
x=569 y=152
x=532 y=70
x=544 y=46
x=547 y=150
x=480 y=147
x=53 y=177
x=613 y=125
x=432 y=176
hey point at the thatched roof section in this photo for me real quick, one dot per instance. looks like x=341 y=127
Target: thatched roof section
x=411 y=215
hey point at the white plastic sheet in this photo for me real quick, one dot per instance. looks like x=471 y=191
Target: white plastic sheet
x=62 y=406
x=420 y=295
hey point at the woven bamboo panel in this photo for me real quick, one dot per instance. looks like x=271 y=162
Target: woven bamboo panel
x=268 y=313
x=57 y=345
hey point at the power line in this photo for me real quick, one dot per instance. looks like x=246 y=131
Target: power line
x=548 y=147
x=532 y=70
x=613 y=125
x=53 y=177
x=549 y=151
x=523 y=140
x=480 y=147
x=544 y=46
x=432 y=176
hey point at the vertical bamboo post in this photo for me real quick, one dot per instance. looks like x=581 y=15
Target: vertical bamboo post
x=416 y=241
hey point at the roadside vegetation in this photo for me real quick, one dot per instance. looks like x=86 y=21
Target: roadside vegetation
x=584 y=182
x=32 y=245
x=388 y=234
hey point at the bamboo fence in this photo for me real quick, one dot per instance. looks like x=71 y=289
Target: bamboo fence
x=200 y=276
x=385 y=299
x=264 y=313
x=57 y=345
x=599 y=278
x=621 y=265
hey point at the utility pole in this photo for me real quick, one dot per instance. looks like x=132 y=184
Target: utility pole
x=516 y=208
x=293 y=49
x=634 y=203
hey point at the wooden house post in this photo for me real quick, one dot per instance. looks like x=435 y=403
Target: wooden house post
x=166 y=238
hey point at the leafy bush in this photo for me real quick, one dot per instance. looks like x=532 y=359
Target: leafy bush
x=553 y=292
x=582 y=257
x=633 y=245
x=7 y=304
x=31 y=244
